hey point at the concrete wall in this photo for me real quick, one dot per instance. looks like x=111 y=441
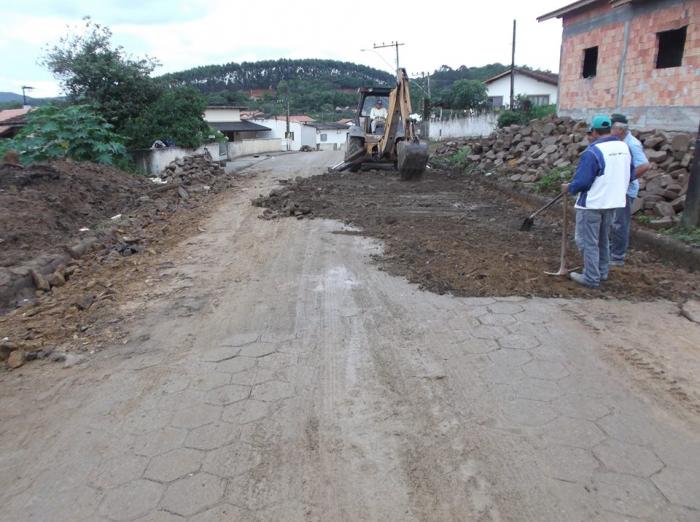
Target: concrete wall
x=278 y=127
x=154 y=161
x=627 y=79
x=523 y=85
x=255 y=146
x=222 y=115
x=335 y=139
x=477 y=125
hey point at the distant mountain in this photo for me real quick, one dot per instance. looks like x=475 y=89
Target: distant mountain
x=267 y=74
x=11 y=97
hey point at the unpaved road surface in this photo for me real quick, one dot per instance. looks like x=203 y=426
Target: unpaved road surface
x=273 y=373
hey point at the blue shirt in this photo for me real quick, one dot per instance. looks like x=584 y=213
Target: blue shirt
x=638 y=159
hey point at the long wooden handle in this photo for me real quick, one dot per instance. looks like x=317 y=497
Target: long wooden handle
x=564 y=230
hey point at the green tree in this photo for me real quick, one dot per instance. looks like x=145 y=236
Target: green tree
x=176 y=115
x=468 y=94
x=74 y=131
x=92 y=70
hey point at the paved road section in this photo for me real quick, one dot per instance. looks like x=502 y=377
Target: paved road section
x=276 y=375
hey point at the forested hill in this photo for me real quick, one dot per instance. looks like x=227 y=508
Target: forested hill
x=268 y=73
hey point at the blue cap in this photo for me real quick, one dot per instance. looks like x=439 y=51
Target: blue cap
x=601 y=121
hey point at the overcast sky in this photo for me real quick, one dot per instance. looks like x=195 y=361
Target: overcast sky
x=190 y=33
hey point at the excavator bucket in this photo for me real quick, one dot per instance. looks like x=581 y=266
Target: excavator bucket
x=412 y=159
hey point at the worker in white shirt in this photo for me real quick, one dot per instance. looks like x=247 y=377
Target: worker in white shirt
x=378 y=115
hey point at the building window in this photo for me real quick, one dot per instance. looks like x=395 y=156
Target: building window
x=496 y=101
x=539 y=99
x=324 y=137
x=670 y=48
x=590 y=62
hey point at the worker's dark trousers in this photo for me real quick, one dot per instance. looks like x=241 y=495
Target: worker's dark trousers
x=593 y=240
x=620 y=232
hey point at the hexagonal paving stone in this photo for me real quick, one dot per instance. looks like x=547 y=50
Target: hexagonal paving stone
x=231 y=460
x=627 y=495
x=508 y=357
x=680 y=486
x=258 y=376
x=175 y=384
x=627 y=458
x=225 y=512
x=227 y=394
x=190 y=495
x=161 y=516
x=573 y=432
x=518 y=341
x=581 y=406
x=183 y=399
x=528 y=413
x=627 y=428
x=272 y=391
x=277 y=361
x=160 y=442
x=476 y=346
x=462 y=324
x=239 y=364
x=496 y=320
x=566 y=463
x=505 y=308
x=547 y=370
x=536 y=389
x=277 y=337
x=131 y=500
x=210 y=380
x=258 y=350
x=198 y=415
x=501 y=374
x=222 y=353
x=118 y=470
x=246 y=411
x=211 y=436
x=174 y=464
x=241 y=339
x=487 y=332
x=146 y=421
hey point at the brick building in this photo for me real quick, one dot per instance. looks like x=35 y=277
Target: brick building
x=638 y=57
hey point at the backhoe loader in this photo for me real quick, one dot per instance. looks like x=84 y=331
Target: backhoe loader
x=394 y=142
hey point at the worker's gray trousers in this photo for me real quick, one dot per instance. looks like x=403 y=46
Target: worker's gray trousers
x=620 y=232
x=593 y=240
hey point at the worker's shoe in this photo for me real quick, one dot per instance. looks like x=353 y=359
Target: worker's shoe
x=578 y=278
x=614 y=262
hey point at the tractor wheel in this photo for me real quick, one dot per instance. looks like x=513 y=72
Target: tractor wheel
x=355 y=144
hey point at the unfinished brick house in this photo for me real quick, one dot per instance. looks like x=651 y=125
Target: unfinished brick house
x=638 y=57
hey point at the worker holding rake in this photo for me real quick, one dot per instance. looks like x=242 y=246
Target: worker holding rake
x=601 y=181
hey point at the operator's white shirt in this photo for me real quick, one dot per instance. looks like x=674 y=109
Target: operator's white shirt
x=378 y=113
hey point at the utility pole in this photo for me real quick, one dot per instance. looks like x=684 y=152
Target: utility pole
x=512 y=72
x=392 y=44
x=25 y=88
x=691 y=213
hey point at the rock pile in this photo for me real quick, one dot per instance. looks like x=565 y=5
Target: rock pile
x=185 y=170
x=526 y=154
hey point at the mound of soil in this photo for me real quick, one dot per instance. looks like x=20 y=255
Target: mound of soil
x=449 y=233
x=44 y=206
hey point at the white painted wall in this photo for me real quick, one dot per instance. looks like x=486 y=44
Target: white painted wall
x=303 y=135
x=523 y=85
x=154 y=161
x=335 y=139
x=255 y=146
x=471 y=126
x=221 y=115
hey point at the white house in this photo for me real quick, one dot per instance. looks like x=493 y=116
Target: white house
x=329 y=136
x=539 y=87
x=300 y=134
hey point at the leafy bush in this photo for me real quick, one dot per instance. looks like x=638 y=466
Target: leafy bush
x=553 y=179
x=75 y=132
x=687 y=235
x=507 y=118
x=523 y=112
x=459 y=158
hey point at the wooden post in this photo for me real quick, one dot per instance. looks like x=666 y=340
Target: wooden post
x=691 y=213
x=512 y=72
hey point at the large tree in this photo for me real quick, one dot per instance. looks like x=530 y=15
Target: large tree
x=92 y=70
x=468 y=94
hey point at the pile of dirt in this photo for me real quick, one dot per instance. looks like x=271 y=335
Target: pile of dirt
x=451 y=234
x=527 y=154
x=52 y=214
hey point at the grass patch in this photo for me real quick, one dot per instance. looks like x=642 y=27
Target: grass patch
x=552 y=181
x=687 y=235
x=644 y=219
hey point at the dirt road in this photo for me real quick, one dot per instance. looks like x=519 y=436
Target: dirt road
x=274 y=373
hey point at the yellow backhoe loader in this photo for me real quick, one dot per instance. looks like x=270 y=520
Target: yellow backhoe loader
x=389 y=141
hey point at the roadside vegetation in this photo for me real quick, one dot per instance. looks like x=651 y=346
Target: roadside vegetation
x=524 y=112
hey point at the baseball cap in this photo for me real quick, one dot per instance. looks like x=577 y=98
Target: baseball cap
x=601 y=121
x=619 y=118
